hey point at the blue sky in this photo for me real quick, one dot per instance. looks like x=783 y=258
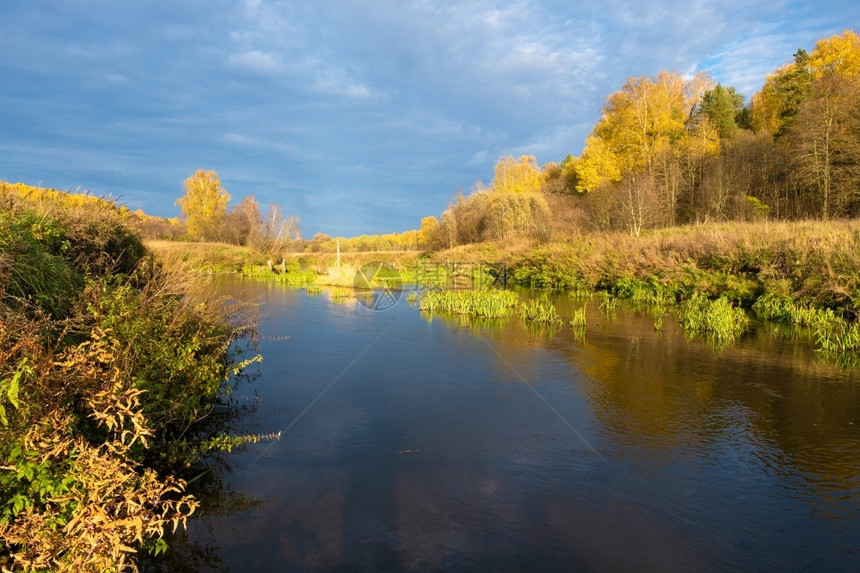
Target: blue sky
x=396 y=104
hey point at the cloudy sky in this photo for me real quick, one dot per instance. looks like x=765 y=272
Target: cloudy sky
x=356 y=116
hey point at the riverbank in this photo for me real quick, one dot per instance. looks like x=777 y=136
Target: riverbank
x=112 y=366
x=814 y=263
x=811 y=263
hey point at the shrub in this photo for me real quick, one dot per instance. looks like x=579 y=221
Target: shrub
x=107 y=363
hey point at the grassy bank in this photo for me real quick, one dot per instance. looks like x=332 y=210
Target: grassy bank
x=206 y=257
x=808 y=265
x=813 y=264
x=803 y=274
x=110 y=364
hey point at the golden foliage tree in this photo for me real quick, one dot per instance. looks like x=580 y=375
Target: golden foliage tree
x=839 y=55
x=517 y=175
x=641 y=121
x=598 y=164
x=429 y=232
x=204 y=205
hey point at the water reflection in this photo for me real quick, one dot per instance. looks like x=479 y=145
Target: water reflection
x=432 y=447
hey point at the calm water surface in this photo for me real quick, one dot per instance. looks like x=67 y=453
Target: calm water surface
x=421 y=443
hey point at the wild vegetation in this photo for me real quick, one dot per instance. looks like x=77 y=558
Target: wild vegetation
x=540 y=310
x=484 y=304
x=109 y=363
x=715 y=318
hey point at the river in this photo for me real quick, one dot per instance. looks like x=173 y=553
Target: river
x=420 y=443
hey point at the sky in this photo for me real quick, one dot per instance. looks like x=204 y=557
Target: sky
x=358 y=117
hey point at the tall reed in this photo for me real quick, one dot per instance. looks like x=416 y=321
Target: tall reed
x=487 y=304
x=717 y=318
x=578 y=321
x=540 y=310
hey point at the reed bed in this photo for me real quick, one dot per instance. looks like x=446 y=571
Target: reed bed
x=816 y=263
x=485 y=304
x=540 y=310
x=840 y=343
x=715 y=318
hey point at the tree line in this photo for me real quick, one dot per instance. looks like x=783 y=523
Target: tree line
x=207 y=218
x=670 y=150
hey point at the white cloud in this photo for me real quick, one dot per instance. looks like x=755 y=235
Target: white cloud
x=337 y=82
x=255 y=60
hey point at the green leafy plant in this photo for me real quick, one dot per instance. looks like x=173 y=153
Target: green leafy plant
x=717 y=318
x=486 y=304
x=540 y=310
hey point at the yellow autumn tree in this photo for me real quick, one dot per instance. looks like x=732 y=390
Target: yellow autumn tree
x=597 y=165
x=644 y=118
x=429 y=233
x=838 y=55
x=641 y=121
x=822 y=141
x=517 y=175
x=204 y=205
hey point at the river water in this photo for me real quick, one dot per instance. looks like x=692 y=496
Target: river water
x=419 y=443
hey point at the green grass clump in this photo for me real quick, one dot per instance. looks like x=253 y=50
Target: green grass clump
x=540 y=310
x=609 y=305
x=486 y=304
x=578 y=321
x=781 y=308
x=715 y=318
x=342 y=293
x=649 y=292
x=840 y=343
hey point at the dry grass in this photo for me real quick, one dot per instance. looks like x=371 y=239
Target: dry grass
x=813 y=261
x=205 y=257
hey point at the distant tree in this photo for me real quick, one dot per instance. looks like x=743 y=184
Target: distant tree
x=429 y=233
x=839 y=55
x=516 y=214
x=774 y=108
x=721 y=105
x=242 y=225
x=319 y=242
x=554 y=180
x=517 y=175
x=745 y=180
x=278 y=229
x=823 y=143
x=569 y=174
x=204 y=205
